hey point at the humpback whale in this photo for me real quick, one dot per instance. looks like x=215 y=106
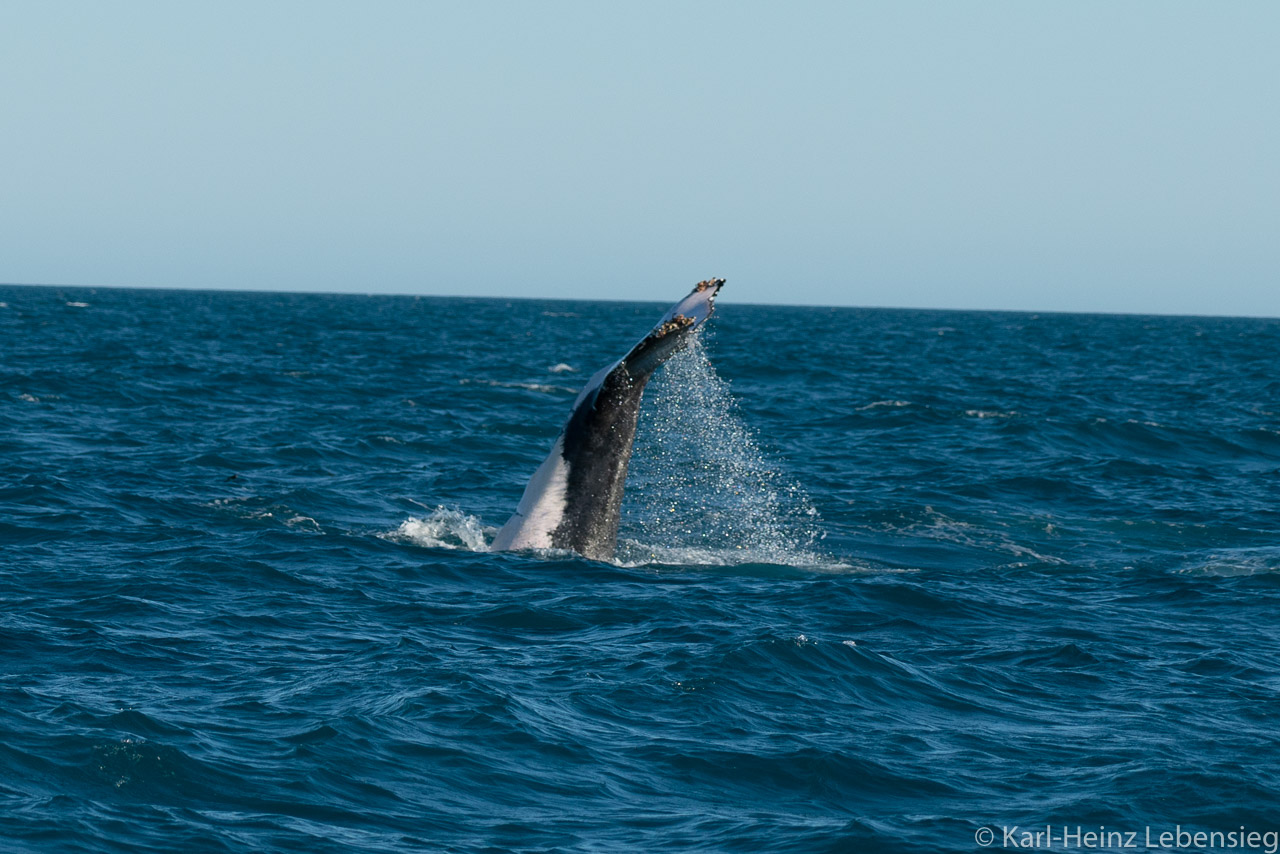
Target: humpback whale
x=574 y=499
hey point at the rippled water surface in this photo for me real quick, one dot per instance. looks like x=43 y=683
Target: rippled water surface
x=887 y=578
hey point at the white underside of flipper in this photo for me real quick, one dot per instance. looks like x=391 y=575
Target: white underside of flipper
x=541 y=507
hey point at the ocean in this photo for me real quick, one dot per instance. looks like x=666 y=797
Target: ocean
x=889 y=580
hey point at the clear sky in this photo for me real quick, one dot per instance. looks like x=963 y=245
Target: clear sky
x=1080 y=156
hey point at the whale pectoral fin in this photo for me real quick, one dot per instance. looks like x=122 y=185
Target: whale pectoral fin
x=672 y=332
x=574 y=499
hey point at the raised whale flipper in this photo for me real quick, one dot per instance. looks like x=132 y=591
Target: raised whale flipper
x=574 y=499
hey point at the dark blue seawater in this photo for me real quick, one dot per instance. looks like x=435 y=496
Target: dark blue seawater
x=888 y=578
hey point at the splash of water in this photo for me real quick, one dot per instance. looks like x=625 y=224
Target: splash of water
x=443 y=528
x=699 y=486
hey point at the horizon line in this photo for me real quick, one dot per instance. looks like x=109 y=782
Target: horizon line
x=357 y=293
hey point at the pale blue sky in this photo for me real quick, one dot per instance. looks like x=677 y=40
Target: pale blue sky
x=1081 y=156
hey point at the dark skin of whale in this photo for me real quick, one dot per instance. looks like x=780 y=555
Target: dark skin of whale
x=598 y=440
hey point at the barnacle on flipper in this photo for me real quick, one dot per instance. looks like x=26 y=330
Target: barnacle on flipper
x=673 y=325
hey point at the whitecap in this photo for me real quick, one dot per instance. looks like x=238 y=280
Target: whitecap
x=1234 y=563
x=265 y=510
x=942 y=528
x=541 y=387
x=876 y=404
x=304 y=523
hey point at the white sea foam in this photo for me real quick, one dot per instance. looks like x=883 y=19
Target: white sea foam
x=303 y=523
x=443 y=528
x=542 y=387
x=1236 y=562
x=265 y=510
x=633 y=553
x=988 y=536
